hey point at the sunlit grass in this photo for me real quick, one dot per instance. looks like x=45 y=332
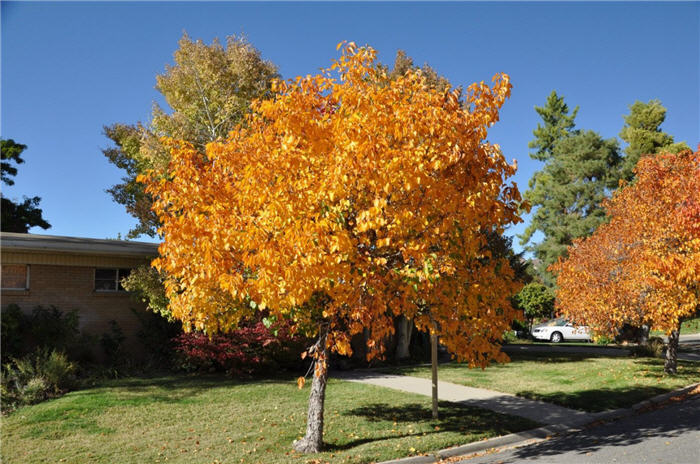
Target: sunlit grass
x=578 y=381
x=691 y=326
x=207 y=420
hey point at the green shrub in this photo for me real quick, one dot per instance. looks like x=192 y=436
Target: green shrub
x=156 y=335
x=509 y=336
x=653 y=348
x=52 y=328
x=12 y=328
x=44 y=328
x=58 y=371
x=36 y=377
x=112 y=343
x=35 y=391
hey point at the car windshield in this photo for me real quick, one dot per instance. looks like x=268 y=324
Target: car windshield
x=559 y=322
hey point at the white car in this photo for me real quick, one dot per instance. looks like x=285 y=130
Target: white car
x=558 y=330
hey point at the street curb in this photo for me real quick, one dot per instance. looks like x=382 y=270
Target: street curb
x=532 y=436
x=662 y=398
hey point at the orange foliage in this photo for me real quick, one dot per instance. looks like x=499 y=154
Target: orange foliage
x=643 y=267
x=349 y=200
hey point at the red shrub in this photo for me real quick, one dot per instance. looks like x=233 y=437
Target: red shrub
x=247 y=350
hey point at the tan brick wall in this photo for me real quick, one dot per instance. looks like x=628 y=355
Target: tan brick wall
x=72 y=287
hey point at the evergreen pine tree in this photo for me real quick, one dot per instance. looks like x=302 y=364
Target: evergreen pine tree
x=644 y=136
x=580 y=168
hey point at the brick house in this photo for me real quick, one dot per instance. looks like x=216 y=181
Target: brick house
x=74 y=273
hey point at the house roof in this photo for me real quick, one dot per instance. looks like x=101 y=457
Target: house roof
x=32 y=243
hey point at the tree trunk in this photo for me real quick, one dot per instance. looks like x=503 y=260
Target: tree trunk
x=404 y=328
x=313 y=440
x=644 y=335
x=672 y=352
x=434 y=364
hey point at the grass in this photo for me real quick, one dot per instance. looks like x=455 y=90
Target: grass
x=578 y=381
x=691 y=326
x=213 y=420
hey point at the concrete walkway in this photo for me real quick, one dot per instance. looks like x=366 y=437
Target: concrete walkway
x=544 y=413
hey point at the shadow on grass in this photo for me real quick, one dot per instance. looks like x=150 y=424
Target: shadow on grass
x=175 y=388
x=453 y=417
x=597 y=400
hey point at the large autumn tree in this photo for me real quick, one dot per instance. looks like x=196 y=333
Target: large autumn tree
x=643 y=267
x=344 y=201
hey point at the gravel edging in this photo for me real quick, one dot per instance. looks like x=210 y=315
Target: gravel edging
x=532 y=436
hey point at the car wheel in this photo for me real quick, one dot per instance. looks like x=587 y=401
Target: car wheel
x=556 y=337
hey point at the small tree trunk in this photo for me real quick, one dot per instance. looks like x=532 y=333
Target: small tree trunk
x=404 y=327
x=313 y=440
x=434 y=364
x=644 y=335
x=670 y=366
x=365 y=340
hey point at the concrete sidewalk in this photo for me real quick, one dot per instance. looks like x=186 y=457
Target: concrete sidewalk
x=538 y=411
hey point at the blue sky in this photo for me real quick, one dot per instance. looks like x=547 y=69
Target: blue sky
x=70 y=68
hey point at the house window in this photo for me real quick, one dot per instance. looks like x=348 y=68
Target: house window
x=110 y=280
x=15 y=277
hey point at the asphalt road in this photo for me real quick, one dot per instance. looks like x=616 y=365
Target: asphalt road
x=670 y=435
x=689 y=349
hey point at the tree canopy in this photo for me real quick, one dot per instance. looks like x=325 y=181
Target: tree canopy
x=580 y=169
x=209 y=90
x=557 y=123
x=643 y=134
x=536 y=300
x=345 y=200
x=643 y=267
x=17 y=217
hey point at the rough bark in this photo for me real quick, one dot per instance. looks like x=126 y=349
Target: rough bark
x=404 y=328
x=434 y=364
x=670 y=365
x=313 y=440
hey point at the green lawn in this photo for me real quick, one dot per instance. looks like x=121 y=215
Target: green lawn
x=579 y=381
x=210 y=420
x=691 y=326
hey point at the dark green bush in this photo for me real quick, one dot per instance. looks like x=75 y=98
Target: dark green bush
x=44 y=328
x=12 y=328
x=156 y=335
x=112 y=343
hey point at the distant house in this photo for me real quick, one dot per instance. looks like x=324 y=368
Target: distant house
x=74 y=273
